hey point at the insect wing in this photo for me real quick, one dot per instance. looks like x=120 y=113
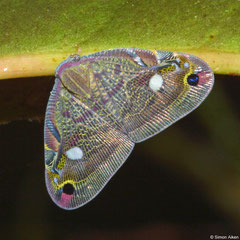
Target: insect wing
x=82 y=150
x=163 y=97
x=141 y=91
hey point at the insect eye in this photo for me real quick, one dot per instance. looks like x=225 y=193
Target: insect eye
x=68 y=189
x=193 y=79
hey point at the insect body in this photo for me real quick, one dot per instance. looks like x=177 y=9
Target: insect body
x=104 y=103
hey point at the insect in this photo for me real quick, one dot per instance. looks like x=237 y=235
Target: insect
x=104 y=103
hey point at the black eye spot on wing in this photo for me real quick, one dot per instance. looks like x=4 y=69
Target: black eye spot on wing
x=193 y=79
x=68 y=189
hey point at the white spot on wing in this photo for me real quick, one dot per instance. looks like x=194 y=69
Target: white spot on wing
x=74 y=153
x=156 y=82
x=186 y=64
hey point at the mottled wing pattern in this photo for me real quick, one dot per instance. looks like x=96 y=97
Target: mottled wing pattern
x=103 y=103
x=82 y=151
x=170 y=96
x=99 y=81
x=121 y=90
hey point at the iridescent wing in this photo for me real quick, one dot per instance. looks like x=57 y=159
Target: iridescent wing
x=103 y=103
x=82 y=150
x=141 y=91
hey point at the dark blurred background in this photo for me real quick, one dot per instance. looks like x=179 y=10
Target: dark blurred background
x=181 y=184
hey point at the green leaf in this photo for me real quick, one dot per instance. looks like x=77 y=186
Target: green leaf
x=37 y=35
